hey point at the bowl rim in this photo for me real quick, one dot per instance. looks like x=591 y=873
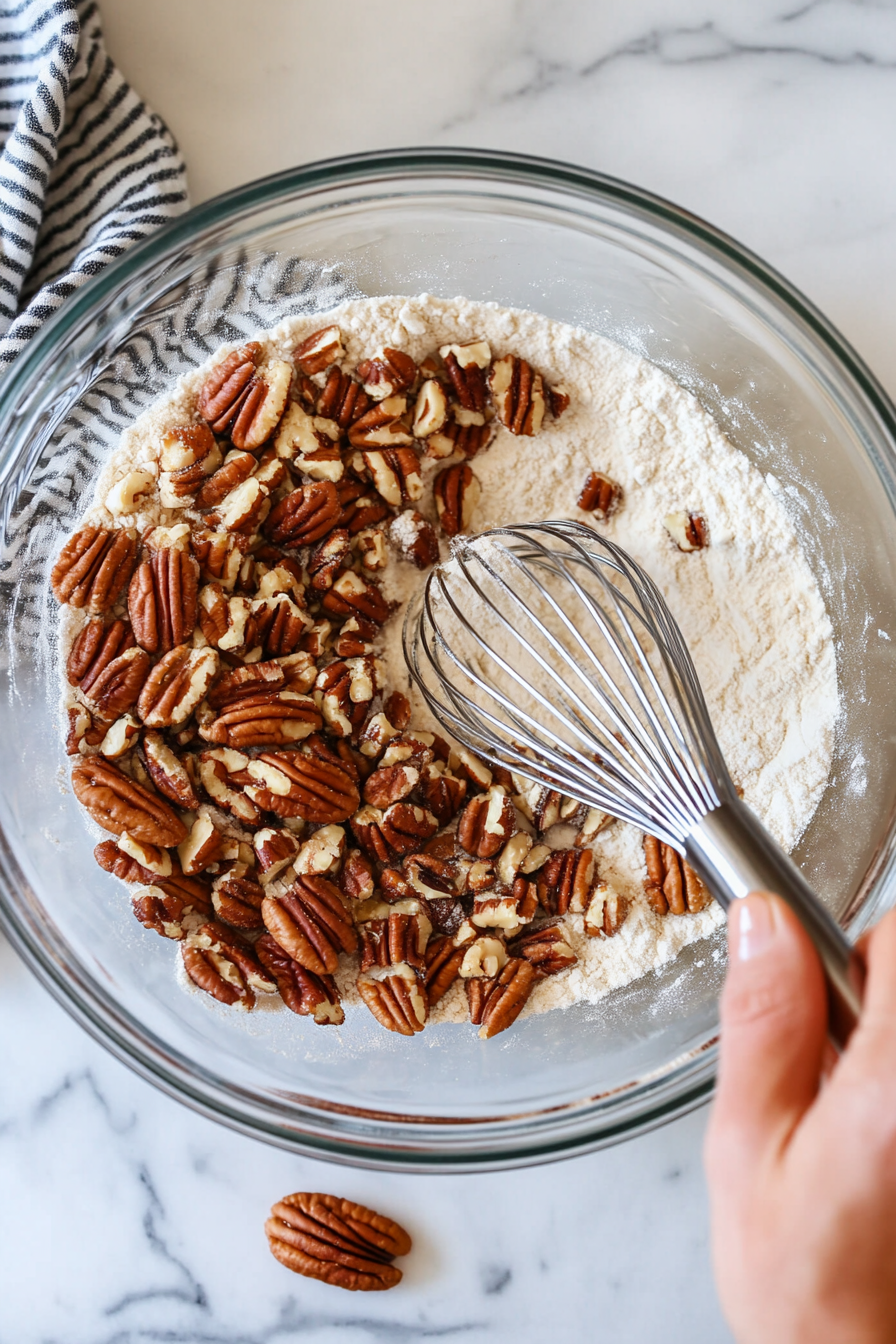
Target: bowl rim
x=229 y=207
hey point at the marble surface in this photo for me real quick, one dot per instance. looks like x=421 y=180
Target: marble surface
x=125 y=1217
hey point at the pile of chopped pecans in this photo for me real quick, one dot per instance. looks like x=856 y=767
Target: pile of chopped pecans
x=265 y=790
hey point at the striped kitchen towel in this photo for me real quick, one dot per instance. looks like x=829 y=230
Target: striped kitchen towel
x=86 y=168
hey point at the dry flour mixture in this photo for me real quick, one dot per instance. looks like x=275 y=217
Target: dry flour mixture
x=748 y=604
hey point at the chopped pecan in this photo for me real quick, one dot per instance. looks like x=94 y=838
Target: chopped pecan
x=672 y=886
x=496 y=1003
x=594 y=822
x=268 y=718
x=383 y=426
x=353 y=594
x=301 y=990
x=203 y=846
x=95 y=646
x=397 y=1000
x=431 y=409
x=557 y=399
x=399 y=937
x=518 y=393
x=466 y=367
x=367 y=827
x=505 y=908
x=178 y=488
x=185 y=446
x=167 y=772
x=484 y=956
x=310 y=922
x=239 y=399
x=117 y=804
x=280 y=626
x=356 y=879
x=395 y=473
x=344 y=691
x=219 y=771
x=305 y=515
x=564 y=882
x=405 y=827
x=163 y=599
x=487 y=823
x=442 y=792
x=310 y=443
x=387 y=373
x=370 y=548
x=274 y=850
x=337 y=1241
x=175 y=686
x=226 y=622
x=328 y=558
x=80 y=730
x=220 y=555
x=599 y=495
x=391 y=785
x=237 y=900
x=342 y=399
x=547 y=949
x=223 y=964
x=469 y=440
x=443 y=961
x=322 y=853
x=161 y=911
x=120 y=737
x=456 y=491
x=194 y=892
x=93 y=568
x=244 y=509
x=319 y=350
x=689 y=531
x=238 y=467
x=605 y=912
x=414 y=539
x=303 y=783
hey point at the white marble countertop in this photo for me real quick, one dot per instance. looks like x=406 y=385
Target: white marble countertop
x=125 y=1217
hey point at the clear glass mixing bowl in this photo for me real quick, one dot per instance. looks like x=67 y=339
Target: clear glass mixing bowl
x=579 y=248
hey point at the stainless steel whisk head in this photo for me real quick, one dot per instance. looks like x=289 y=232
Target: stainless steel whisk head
x=547 y=649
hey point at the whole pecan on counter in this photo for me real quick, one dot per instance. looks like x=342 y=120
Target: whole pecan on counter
x=336 y=1240
x=118 y=803
x=301 y=990
x=93 y=567
x=672 y=886
x=496 y=1003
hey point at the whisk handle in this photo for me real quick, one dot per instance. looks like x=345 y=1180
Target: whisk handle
x=734 y=854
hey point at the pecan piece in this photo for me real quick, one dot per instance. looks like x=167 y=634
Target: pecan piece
x=487 y=823
x=689 y=531
x=93 y=567
x=405 y=827
x=167 y=772
x=344 y=691
x=226 y=621
x=443 y=962
x=431 y=409
x=356 y=879
x=310 y=922
x=466 y=366
x=175 y=686
x=305 y=515
x=456 y=491
x=248 y=680
x=337 y=1241
x=558 y=399
x=117 y=804
x=237 y=900
x=161 y=911
x=220 y=555
x=305 y=784
x=268 y=718
x=672 y=886
x=605 y=912
x=397 y=1000
x=391 y=785
x=219 y=770
x=395 y=473
x=599 y=495
x=274 y=850
x=310 y=443
x=301 y=990
x=319 y=350
x=414 y=539
x=96 y=645
x=382 y=426
x=518 y=393
x=194 y=892
x=468 y=440
x=564 y=882
x=328 y=558
x=238 y=467
x=442 y=792
x=185 y=446
x=342 y=399
x=352 y=594
x=387 y=373
x=496 y=1003
x=163 y=599
x=547 y=949
x=280 y=626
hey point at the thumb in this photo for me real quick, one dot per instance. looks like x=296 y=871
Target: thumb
x=774 y=1030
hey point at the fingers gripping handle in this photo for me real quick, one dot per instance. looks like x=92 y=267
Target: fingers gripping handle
x=734 y=854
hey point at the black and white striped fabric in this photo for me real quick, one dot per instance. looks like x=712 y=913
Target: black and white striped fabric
x=86 y=168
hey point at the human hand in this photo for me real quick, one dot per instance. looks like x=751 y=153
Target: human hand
x=801 y=1149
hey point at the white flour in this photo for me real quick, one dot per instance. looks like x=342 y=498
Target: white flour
x=748 y=605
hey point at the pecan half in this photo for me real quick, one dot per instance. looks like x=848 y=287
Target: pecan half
x=466 y=367
x=319 y=350
x=238 y=399
x=391 y=785
x=405 y=827
x=689 y=531
x=442 y=792
x=305 y=515
x=117 y=804
x=547 y=949
x=175 y=686
x=496 y=1003
x=93 y=567
x=383 y=426
x=443 y=962
x=310 y=922
x=163 y=599
x=518 y=393
x=366 y=825
x=599 y=495
x=386 y=373
x=487 y=823
x=117 y=688
x=237 y=900
x=167 y=772
x=194 y=892
x=342 y=399
x=96 y=645
x=564 y=882
x=469 y=440
x=672 y=886
x=280 y=626
x=220 y=962
x=399 y=937
x=456 y=491
x=337 y=1241
x=397 y=1001
x=303 y=783
x=267 y=718
x=395 y=473
x=301 y=990
x=247 y=680
x=605 y=912
x=328 y=558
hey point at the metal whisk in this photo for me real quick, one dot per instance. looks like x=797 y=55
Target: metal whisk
x=547 y=650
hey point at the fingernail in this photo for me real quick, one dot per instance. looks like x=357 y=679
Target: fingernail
x=754 y=926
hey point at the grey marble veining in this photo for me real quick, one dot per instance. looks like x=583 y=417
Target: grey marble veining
x=125 y=1218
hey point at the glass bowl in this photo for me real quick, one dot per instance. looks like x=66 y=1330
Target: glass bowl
x=582 y=249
